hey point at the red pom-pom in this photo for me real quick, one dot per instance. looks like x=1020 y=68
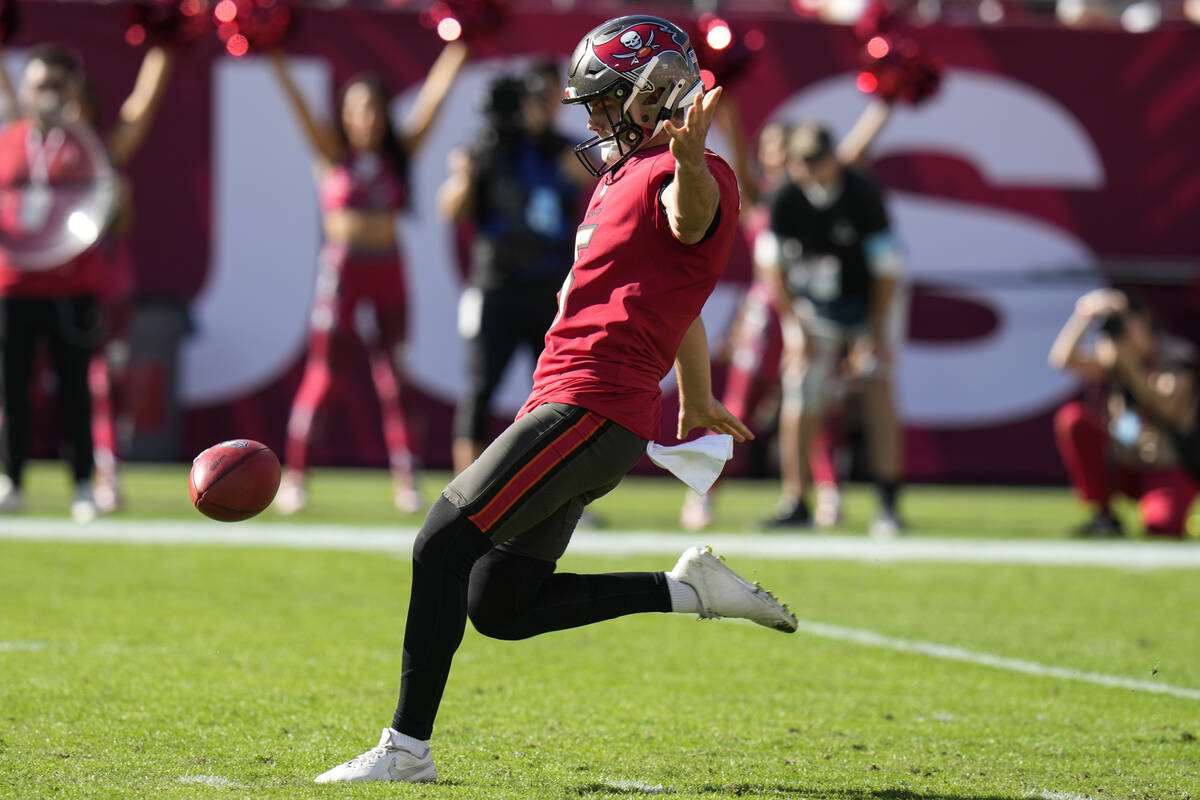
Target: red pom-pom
x=902 y=74
x=877 y=18
x=252 y=25
x=234 y=480
x=170 y=23
x=466 y=19
x=895 y=67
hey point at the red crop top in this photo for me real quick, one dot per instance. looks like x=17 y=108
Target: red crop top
x=363 y=180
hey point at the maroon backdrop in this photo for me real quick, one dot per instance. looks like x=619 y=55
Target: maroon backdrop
x=1137 y=97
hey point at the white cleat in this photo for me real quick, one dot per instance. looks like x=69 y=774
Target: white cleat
x=697 y=511
x=828 y=511
x=724 y=593
x=885 y=527
x=408 y=500
x=83 y=507
x=12 y=499
x=292 y=496
x=384 y=762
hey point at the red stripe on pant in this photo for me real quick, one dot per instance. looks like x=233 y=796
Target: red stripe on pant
x=528 y=476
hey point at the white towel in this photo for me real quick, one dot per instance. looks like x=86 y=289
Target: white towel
x=697 y=463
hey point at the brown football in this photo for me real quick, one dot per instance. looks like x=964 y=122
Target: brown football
x=234 y=480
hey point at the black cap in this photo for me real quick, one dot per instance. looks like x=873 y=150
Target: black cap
x=809 y=141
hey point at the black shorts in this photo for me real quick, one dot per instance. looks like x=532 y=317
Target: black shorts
x=528 y=489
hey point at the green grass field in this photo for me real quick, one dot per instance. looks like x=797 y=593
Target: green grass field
x=149 y=670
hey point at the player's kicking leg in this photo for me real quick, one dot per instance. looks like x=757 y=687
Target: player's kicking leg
x=488 y=548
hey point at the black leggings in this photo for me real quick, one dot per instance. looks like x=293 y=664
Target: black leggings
x=70 y=327
x=457 y=573
x=509 y=318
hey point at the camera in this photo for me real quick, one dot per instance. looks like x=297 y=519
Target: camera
x=503 y=103
x=1112 y=326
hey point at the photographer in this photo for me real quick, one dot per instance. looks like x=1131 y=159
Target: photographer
x=1126 y=441
x=520 y=187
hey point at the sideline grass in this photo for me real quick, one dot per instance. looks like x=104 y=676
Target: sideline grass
x=363 y=497
x=148 y=668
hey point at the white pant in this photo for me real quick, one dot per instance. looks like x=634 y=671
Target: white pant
x=807 y=388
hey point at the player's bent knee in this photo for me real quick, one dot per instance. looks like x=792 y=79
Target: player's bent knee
x=492 y=621
x=448 y=540
x=502 y=587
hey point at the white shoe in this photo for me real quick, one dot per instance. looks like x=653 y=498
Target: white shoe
x=384 y=762
x=12 y=499
x=292 y=496
x=83 y=507
x=405 y=494
x=724 y=593
x=697 y=513
x=408 y=501
x=108 y=498
x=828 y=511
x=885 y=526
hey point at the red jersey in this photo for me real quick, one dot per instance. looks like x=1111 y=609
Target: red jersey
x=631 y=296
x=66 y=160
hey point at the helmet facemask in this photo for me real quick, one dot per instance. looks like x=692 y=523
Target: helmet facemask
x=606 y=151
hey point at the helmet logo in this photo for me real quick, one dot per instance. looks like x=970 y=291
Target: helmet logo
x=635 y=45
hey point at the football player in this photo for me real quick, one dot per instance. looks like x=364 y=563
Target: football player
x=651 y=246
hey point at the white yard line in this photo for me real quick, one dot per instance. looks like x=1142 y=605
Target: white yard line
x=398 y=540
x=13 y=647
x=952 y=653
x=214 y=781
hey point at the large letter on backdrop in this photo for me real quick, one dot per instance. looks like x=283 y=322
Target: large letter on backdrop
x=1012 y=135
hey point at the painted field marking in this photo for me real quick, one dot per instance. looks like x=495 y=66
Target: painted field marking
x=12 y=647
x=952 y=653
x=398 y=541
x=215 y=781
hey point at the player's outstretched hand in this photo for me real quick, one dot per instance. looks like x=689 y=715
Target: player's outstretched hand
x=715 y=417
x=687 y=142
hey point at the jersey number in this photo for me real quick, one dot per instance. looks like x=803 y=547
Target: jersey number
x=583 y=237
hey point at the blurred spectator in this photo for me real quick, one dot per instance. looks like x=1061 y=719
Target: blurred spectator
x=835 y=269
x=1089 y=13
x=107 y=370
x=58 y=305
x=1124 y=444
x=520 y=185
x=362 y=164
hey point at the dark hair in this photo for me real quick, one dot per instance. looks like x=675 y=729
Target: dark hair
x=393 y=151
x=56 y=55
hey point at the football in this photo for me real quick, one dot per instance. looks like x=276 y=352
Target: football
x=234 y=480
